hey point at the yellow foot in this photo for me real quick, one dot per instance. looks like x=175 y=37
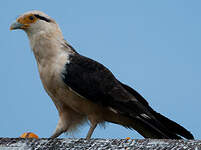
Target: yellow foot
x=29 y=135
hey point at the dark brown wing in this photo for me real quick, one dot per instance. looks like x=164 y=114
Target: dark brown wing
x=96 y=83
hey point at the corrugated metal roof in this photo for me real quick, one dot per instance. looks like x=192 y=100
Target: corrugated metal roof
x=94 y=144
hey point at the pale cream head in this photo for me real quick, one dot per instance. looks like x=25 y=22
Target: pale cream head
x=35 y=21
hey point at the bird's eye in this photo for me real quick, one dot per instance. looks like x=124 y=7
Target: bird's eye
x=31 y=17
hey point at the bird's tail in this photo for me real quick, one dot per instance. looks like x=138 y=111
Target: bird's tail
x=173 y=126
x=163 y=128
x=157 y=126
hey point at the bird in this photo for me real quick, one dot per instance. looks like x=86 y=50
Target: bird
x=84 y=90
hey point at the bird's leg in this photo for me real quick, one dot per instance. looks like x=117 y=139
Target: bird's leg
x=57 y=133
x=91 y=130
x=59 y=129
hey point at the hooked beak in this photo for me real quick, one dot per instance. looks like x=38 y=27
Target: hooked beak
x=17 y=25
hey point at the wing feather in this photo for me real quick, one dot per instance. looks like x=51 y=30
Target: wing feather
x=96 y=83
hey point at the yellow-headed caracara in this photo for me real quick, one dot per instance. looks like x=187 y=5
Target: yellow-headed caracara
x=83 y=89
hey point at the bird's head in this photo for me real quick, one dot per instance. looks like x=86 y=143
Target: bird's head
x=35 y=21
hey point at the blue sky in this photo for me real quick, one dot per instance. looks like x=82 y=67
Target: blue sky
x=153 y=46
